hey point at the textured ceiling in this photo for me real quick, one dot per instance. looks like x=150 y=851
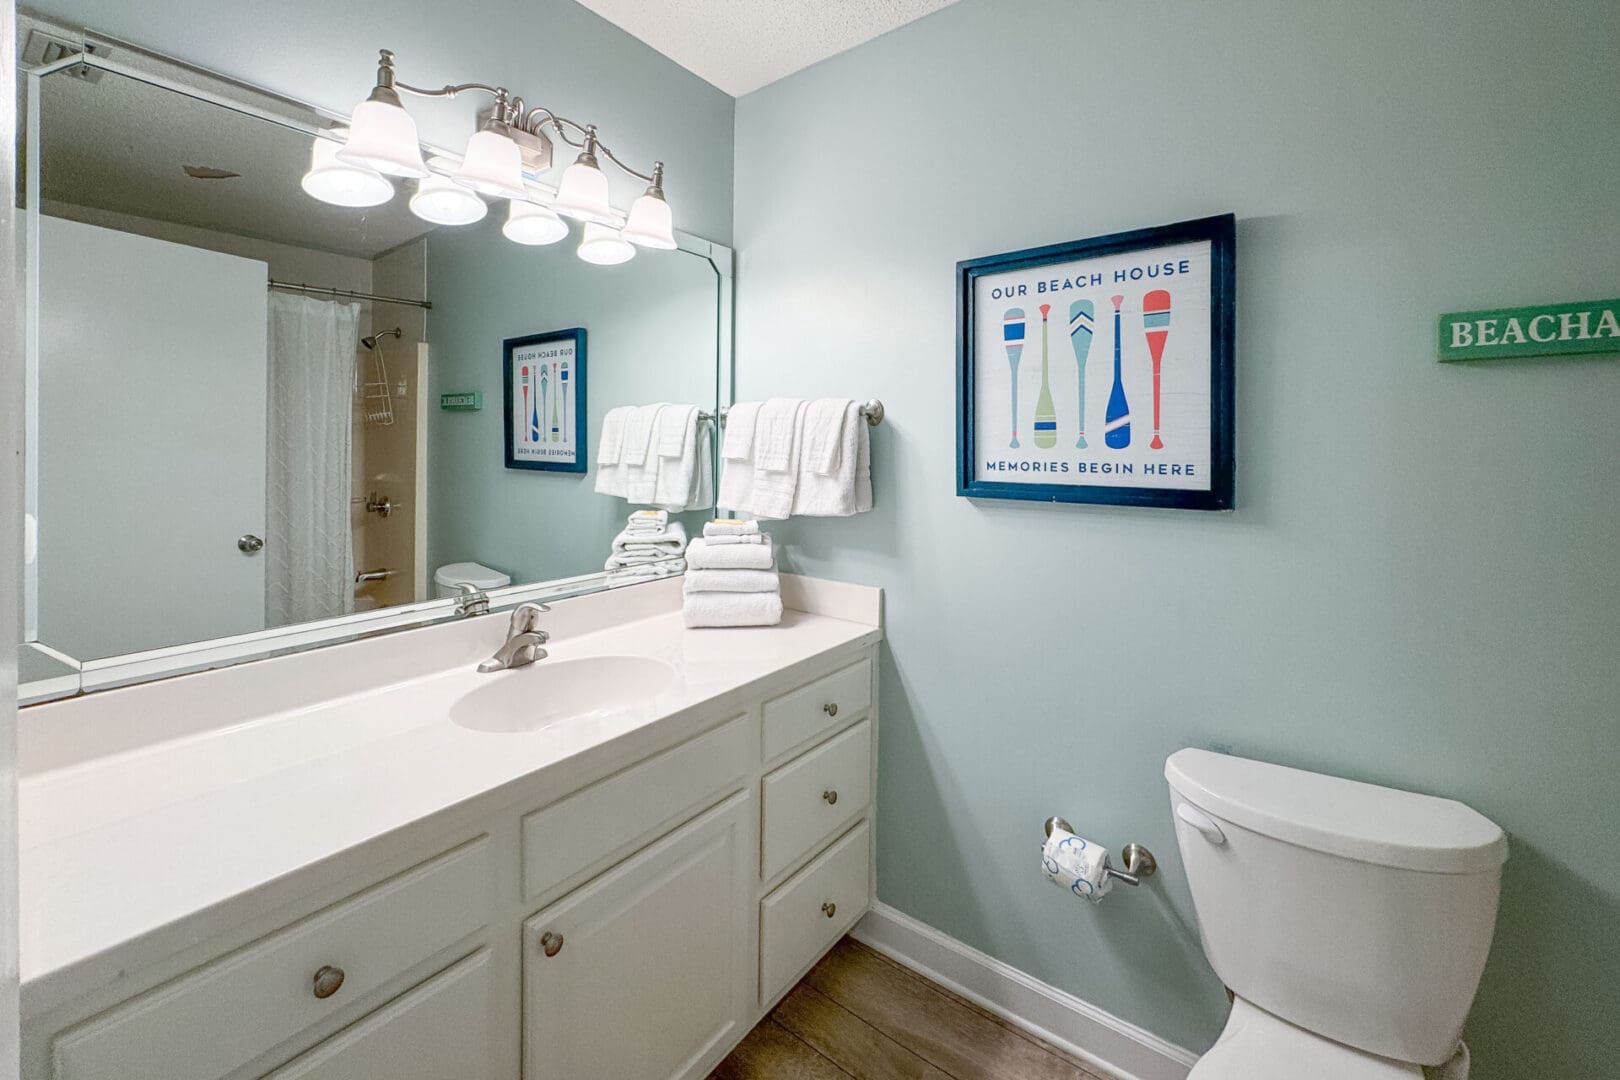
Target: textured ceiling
x=741 y=45
x=123 y=145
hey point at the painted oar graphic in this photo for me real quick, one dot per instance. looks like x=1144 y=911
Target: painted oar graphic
x=555 y=435
x=1156 y=321
x=525 y=404
x=1045 y=411
x=545 y=387
x=1012 y=332
x=564 y=385
x=1080 y=316
x=1117 y=420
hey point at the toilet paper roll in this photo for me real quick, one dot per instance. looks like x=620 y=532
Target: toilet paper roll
x=1077 y=865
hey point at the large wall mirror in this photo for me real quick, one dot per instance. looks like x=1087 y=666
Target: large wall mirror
x=258 y=421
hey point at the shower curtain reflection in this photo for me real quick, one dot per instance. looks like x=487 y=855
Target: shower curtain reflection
x=309 y=569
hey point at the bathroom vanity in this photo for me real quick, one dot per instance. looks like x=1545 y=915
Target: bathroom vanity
x=371 y=861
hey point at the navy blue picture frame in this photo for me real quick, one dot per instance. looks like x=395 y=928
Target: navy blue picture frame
x=1221 y=232
x=580 y=463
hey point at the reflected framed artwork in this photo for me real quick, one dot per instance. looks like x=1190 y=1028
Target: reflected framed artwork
x=1100 y=371
x=544 y=387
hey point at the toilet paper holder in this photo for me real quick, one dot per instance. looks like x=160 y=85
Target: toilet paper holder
x=1139 y=861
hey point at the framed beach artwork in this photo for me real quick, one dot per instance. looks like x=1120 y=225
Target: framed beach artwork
x=1100 y=371
x=544 y=386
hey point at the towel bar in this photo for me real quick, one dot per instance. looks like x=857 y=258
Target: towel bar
x=872 y=410
x=1139 y=861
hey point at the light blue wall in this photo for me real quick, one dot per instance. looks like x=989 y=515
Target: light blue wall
x=1419 y=586
x=553 y=52
x=651 y=335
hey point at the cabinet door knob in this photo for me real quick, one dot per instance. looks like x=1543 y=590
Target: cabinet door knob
x=551 y=943
x=831 y=708
x=829 y=909
x=327 y=981
x=831 y=796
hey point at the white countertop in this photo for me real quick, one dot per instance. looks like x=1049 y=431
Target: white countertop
x=115 y=846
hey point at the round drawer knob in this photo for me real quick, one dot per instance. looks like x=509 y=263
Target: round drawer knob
x=551 y=944
x=829 y=909
x=327 y=981
x=831 y=796
x=831 y=708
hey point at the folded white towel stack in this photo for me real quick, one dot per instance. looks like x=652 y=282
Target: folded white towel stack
x=650 y=546
x=786 y=457
x=731 y=578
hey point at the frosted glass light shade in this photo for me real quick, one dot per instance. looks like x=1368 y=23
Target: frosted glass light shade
x=493 y=165
x=650 y=224
x=383 y=137
x=341 y=184
x=531 y=223
x=442 y=201
x=583 y=194
x=604 y=246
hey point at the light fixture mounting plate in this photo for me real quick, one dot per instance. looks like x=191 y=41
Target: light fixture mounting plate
x=536 y=146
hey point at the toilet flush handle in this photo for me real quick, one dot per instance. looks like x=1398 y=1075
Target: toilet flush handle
x=1201 y=821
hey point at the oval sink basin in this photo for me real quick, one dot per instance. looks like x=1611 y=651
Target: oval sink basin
x=529 y=698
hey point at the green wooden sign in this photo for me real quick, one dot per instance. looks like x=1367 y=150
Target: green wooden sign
x=471 y=401
x=1544 y=330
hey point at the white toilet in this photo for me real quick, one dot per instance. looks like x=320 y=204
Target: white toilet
x=1350 y=921
x=447 y=577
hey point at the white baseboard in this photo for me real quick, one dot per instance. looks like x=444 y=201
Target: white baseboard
x=1098 y=1038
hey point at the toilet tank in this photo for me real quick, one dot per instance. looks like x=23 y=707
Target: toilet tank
x=1358 y=912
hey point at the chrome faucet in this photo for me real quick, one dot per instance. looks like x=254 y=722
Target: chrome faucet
x=523 y=640
x=471 y=601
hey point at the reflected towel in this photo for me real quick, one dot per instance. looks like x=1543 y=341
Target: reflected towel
x=610 y=453
x=667 y=542
x=730 y=527
x=632 y=573
x=715 y=609
x=685 y=480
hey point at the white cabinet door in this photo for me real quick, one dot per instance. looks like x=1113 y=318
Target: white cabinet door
x=649 y=971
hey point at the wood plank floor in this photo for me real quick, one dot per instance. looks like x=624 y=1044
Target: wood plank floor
x=859 y=1014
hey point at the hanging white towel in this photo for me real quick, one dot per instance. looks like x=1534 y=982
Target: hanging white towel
x=700 y=556
x=777 y=448
x=683 y=477
x=610 y=452
x=741 y=419
x=638 y=432
x=714 y=609
x=835 y=462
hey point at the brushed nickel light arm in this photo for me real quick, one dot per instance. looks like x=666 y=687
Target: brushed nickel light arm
x=513 y=112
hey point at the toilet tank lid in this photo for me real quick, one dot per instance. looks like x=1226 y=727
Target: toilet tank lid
x=1365 y=822
x=475 y=574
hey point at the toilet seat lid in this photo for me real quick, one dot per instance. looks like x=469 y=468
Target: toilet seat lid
x=477 y=575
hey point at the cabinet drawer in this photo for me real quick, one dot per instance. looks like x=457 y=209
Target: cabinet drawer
x=439 y=1029
x=812 y=909
x=219 y=1017
x=814 y=797
x=800 y=715
x=569 y=840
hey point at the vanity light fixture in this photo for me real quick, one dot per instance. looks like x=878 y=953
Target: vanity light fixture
x=340 y=183
x=602 y=245
x=511 y=140
x=650 y=224
x=441 y=200
x=530 y=223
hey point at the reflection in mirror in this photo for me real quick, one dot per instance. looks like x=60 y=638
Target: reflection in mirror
x=250 y=408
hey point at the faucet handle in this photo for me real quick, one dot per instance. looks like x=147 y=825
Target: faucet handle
x=526 y=618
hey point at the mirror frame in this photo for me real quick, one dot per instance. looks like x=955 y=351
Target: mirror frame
x=124 y=670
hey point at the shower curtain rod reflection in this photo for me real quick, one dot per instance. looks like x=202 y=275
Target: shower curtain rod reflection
x=318 y=290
